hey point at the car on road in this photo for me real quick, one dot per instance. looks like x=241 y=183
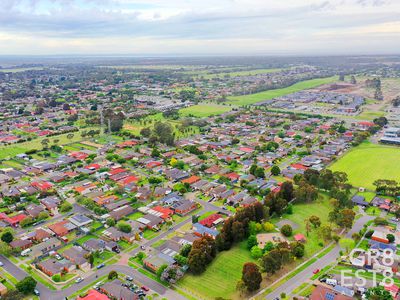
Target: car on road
x=129 y=278
x=145 y=288
x=316 y=271
x=58 y=256
x=100 y=266
x=36 y=292
x=142 y=247
x=79 y=279
x=1 y=264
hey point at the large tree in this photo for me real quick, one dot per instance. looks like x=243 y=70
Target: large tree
x=251 y=276
x=26 y=285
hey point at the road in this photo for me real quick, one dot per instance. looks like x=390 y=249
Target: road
x=327 y=259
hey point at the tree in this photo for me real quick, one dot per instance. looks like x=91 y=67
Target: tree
x=65 y=206
x=202 y=253
x=345 y=218
x=161 y=270
x=326 y=232
x=315 y=221
x=297 y=249
x=252 y=241
x=26 y=285
x=390 y=237
x=112 y=275
x=140 y=256
x=7 y=237
x=268 y=226
x=186 y=250
x=275 y=170
x=146 y=132
x=251 y=276
x=286 y=230
x=378 y=293
x=110 y=222
x=124 y=227
x=256 y=252
x=287 y=191
x=347 y=244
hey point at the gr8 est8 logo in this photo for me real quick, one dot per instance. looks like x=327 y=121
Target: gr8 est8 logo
x=369 y=262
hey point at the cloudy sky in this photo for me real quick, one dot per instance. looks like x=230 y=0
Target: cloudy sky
x=205 y=27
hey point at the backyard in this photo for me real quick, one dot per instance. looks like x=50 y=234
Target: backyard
x=368 y=162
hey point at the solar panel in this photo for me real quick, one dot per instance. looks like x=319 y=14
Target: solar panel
x=329 y=296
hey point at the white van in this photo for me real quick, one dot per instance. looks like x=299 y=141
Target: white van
x=26 y=252
x=332 y=282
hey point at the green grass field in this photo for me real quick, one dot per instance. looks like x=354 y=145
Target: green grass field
x=369 y=162
x=204 y=110
x=320 y=208
x=221 y=276
x=258 y=97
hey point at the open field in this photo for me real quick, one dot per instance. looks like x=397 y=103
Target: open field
x=258 y=97
x=221 y=276
x=204 y=110
x=368 y=162
x=302 y=211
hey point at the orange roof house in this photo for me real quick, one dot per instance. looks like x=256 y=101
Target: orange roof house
x=191 y=179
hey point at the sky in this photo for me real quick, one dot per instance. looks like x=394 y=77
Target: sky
x=199 y=27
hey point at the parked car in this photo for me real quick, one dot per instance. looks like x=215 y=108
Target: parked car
x=100 y=266
x=36 y=292
x=315 y=271
x=79 y=279
x=145 y=288
x=1 y=264
x=129 y=278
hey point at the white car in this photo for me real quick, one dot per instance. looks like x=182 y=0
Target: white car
x=79 y=279
x=1 y=264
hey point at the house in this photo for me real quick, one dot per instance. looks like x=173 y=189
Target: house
x=201 y=230
x=34 y=210
x=112 y=246
x=61 y=228
x=115 y=290
x=154 y=262
x=212 y=220
x=380 y=236
x=121 y=212
x=94 y=295
x=191 y=180
x=325 y=293
x=359 y=200
x=42 y=186
x=77 y=255
x=50 y=267
x=150 y=221
x=184 y=207
x=51 y=203
x=40 y=234
x=20 y=244
x=93 y=245
x=45 y=247
x=80 y=220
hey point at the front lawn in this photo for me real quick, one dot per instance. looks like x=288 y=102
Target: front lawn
x=221 y=276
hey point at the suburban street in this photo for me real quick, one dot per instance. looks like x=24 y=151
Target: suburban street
x=327 y=259
x=155 y=286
